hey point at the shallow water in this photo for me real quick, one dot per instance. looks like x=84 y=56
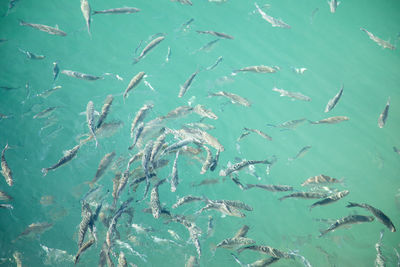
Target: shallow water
x=331 y=47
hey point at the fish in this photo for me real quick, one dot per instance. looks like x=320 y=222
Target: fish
x=48 y=92
x=320 y=179
x=34 y=228
x=223 y=208
x=241 y=165
x=134 y=82
x=257 y=69
x=290 y=124
x=105 y=130
x=219 y=60
x=210 y=226
x=260 y=133
x=185 y=26
x=200 y=125
x=258 y=263
x=301 y=153
x=379 y=41
x=244 y=134
x=186 y=199
x=187 y=84
x=83 y=248
x=398 y=257
x=140 y=115
x=331 y=120
x=86 y=12
x=43 y=28
x=304 y=195
x=235 y=99
x=4 y=196
x=382 y=118
x=148 y=48
x=31 y=55
x=68 y=156
x=178 y=112
x=80 y=75
x=218 y=34
x=6 y=206
x=232 y=243
x=208 y=46
x=332 y=102
x=104 y=164
x=273 y=21
x=104 y=111
x=208 y=160
x=377 y=213
x=396 y=150
x=86 y=215
x=351 y=219
x=168 y=57
x=157 y=146
x=122 y=260
x=276 y=253
x=238 y=183
x=18 y=258
x=90 y=120
x=214 y=161
x=192 y=262
x=183 y=2
x=333 y=4
x=44 y=113
x=120 y=10
x=56 y=71
x=242 y=232
x=5 y=169
x=137 y=134
x=145 y=165
x=202 y=111
x=330 y=199
x=295 y=95
x=272 y=188
x=299 y=70
x=155 y=200
x=174 y=174
x=380 y=259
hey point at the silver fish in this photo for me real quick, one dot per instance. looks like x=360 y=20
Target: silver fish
x=34 y=228
x=260 y=133
x=5 y=170
x=157 y=147
x=241 y=165
x=56 y=71
x=122 y=260
x=187 y=84
x=31 y=55
x=68 y=156
x=232 y=243
x=301 y=153
x=43 y=28
x=81 y=75
x=207 y=162
x=304 y=195
x=332 y=102
x=121 y=10
x=183 y=2
x=186 y=199
x=380 y=259
x=4 y=196
x=6 y=206
x=219 y=60
x=134 y=82
x=185 y=26
x=218 y=34
x=330 y=199
x=299 y=70
x=174 y=174
x=104 y=164
x=290 y=124
x=351 y=219
x=270 y=187
x=382 y=118
x=257 y=69
x=210 y=226
x=145 y=165
x=276 y=253
x=90 y=120
x=295 y=95
x=273 y=21
x=379 y=41
x=48 y=92
x=258 y=263
x=202 y=111
x=84 y=224
x=377 y=213
x=235 y=99
x=333 y=4
x=44 y=113
x=208 y=46
x=331 y=120
x=320 y=179
x=168 y=57
x=149 y=47
x=140 y=115
x=155 y=200
x=192 y=262
x=137 y=134
x=85 y=8
x=104 y=110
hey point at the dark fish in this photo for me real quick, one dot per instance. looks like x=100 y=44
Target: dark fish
x=301 y=153
x=270 y=187
x=219 y=59
x=218 y=34
x=377 y=213
x=82 y=249
x=208 y=46
x=104 y=110
x=43 y=28
x=68 y=156
x=104 y=164
x=56 y=71
x=382 y=118
x=11 y=5
x=214 y=161
x=242 y=232
x=187 y=84
x=332 y=102
x=5 y=170
x=290 y=124
x=44 y=113
x=121 y=10
x=395 y=149
x=330 y=199
x=34 y=228
x=185 y=26
x=351 y=219
x=304 y=195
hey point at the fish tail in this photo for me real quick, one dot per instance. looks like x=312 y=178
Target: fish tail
x=352 y=204
x=21 y=22
x=45 y=171
x=312 y=122
x=282 y=198
x=322 y=232
x=271 y=125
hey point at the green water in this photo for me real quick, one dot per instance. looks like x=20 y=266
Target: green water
x=332 y=48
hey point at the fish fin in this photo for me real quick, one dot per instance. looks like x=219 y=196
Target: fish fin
x=45 y=171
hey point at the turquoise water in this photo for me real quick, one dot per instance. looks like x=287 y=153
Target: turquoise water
x=330 y=46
